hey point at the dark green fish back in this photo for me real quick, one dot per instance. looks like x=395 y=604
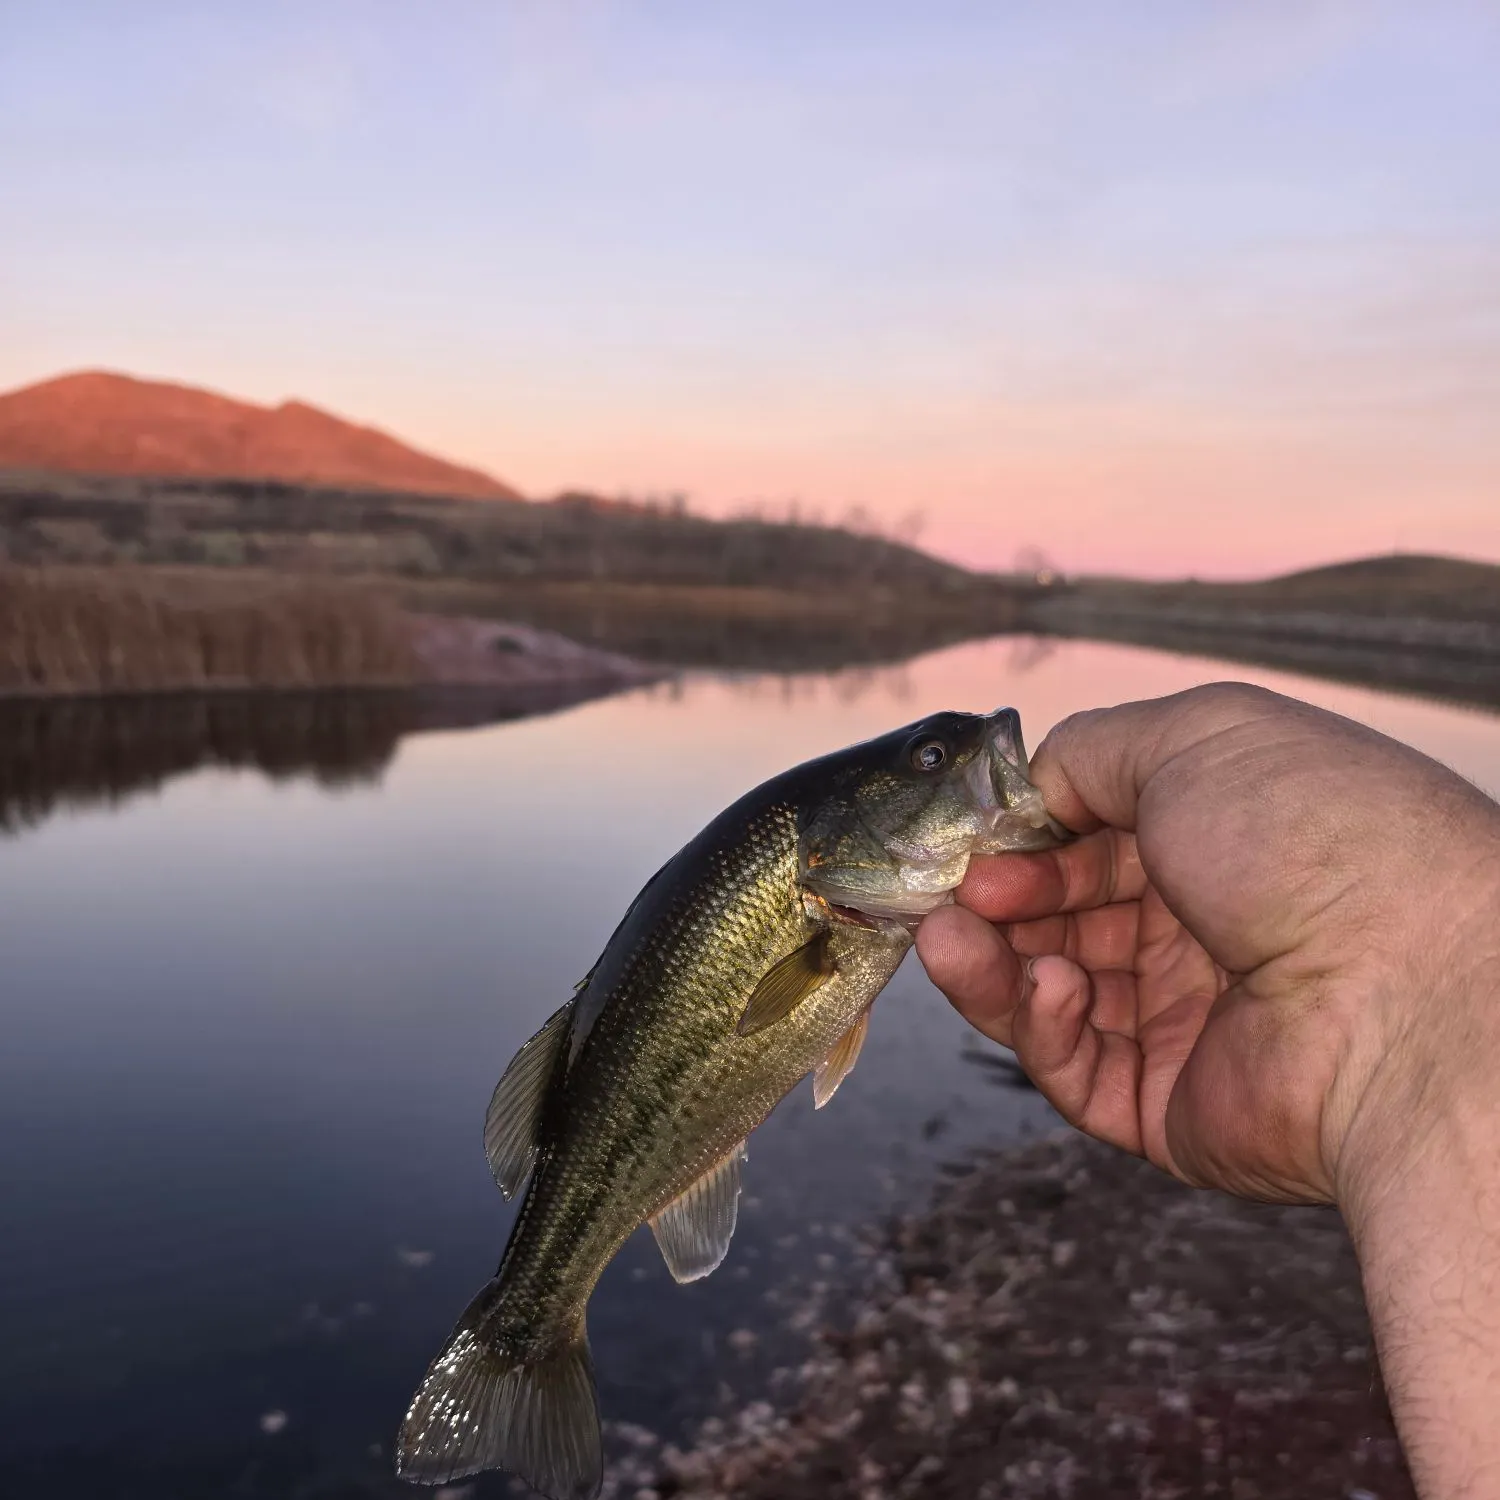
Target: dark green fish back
x=725 y=983
x=649 y=1033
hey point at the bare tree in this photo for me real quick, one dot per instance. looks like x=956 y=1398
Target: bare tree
x=1033 y=563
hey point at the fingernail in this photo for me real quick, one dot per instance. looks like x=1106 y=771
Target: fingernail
x=1028 y=981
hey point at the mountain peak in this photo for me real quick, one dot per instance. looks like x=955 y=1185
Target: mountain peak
x=102 y=422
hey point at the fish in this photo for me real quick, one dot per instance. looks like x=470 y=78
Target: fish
x=747 y=962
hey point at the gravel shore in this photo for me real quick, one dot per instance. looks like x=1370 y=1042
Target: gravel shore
x=1065 y=1321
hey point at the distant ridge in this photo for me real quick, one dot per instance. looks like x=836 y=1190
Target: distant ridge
x=98 y=422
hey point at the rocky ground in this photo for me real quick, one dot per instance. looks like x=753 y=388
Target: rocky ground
x=1064 y=1321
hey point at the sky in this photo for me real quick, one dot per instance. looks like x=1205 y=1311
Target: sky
x=1143 y=287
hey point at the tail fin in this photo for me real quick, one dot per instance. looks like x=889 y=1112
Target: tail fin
x=481 y=1408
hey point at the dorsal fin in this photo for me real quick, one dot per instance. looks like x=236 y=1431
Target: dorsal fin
x=694 y=1231
x=510 y=1124
x=787 y=984
x=839 y=1063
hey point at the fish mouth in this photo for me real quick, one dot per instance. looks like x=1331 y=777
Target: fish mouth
x=1004 y=813
x=1010 y=805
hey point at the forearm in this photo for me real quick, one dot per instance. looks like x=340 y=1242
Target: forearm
x=1424 y=1210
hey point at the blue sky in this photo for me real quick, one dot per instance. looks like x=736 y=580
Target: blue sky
x=1150 y=286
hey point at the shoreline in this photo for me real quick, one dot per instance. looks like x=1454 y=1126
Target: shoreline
x=69 y=748
x=100 y=635
x=1065 y=1321
x=90 y=631
x=1451 y=660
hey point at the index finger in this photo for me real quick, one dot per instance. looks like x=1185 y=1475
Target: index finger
x=1098 y=870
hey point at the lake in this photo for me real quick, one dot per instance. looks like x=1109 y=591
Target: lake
x=262 y=966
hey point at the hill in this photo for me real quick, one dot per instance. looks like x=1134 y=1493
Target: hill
x=1414 y=583
x=652 y=583
x=1425 y=624
x=97 y=422
x=47 y=519
x=670 y=587
x=1402 y=585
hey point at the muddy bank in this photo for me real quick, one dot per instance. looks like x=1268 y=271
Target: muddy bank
x=1064 y=1321
x=760 y=627
x=466 y=653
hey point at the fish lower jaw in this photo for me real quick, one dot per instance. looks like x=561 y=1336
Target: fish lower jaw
x=1023 y=835
x=921 y=889
x=1024 y=825
x=934 y=877
x=907 y=910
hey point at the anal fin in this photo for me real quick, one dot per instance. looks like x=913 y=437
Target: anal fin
x=839 y=1063
x=693 y=1231
x=787 y=984
x=510 y=1124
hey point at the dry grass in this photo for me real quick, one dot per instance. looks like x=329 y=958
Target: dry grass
x=102 y=630
x=75 y=520
x=749 y=627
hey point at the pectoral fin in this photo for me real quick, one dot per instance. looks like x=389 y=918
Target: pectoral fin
x=839 y=1063
x=510 y=1125
x=694 y=1230
x=787 y=984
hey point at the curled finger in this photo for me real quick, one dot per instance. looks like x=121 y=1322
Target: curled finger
x=1103 y=868
x=972 y=964
x=1089 y=1075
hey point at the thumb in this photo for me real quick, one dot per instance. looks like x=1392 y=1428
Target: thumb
x=1093 y=767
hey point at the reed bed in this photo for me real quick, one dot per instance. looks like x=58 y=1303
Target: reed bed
x=98 y=630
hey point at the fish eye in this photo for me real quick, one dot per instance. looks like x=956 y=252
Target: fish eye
x=929 y=755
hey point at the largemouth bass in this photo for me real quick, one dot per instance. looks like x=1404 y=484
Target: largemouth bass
x=748 y=961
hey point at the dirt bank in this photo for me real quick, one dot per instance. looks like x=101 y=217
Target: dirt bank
x=1064 y=1321
x=468 y=653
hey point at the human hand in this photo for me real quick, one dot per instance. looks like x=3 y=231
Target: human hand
x=1272 y=965
x=1279 y=926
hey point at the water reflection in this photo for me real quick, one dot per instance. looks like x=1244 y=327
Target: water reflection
x=252 y=1026
x=71 y=753
x=893 y=684
x=76 y=752
x=998 y=1067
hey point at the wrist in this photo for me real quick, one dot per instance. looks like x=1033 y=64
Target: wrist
x=1418 y=1182
x=1422 y=1054
x=1426 y=1229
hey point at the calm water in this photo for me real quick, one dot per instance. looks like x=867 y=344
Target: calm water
x=253 y=1013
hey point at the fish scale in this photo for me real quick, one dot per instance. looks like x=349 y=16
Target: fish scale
x=672 y=1020
x=748 y=961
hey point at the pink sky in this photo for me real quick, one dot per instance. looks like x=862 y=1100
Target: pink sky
x=1210 y=290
